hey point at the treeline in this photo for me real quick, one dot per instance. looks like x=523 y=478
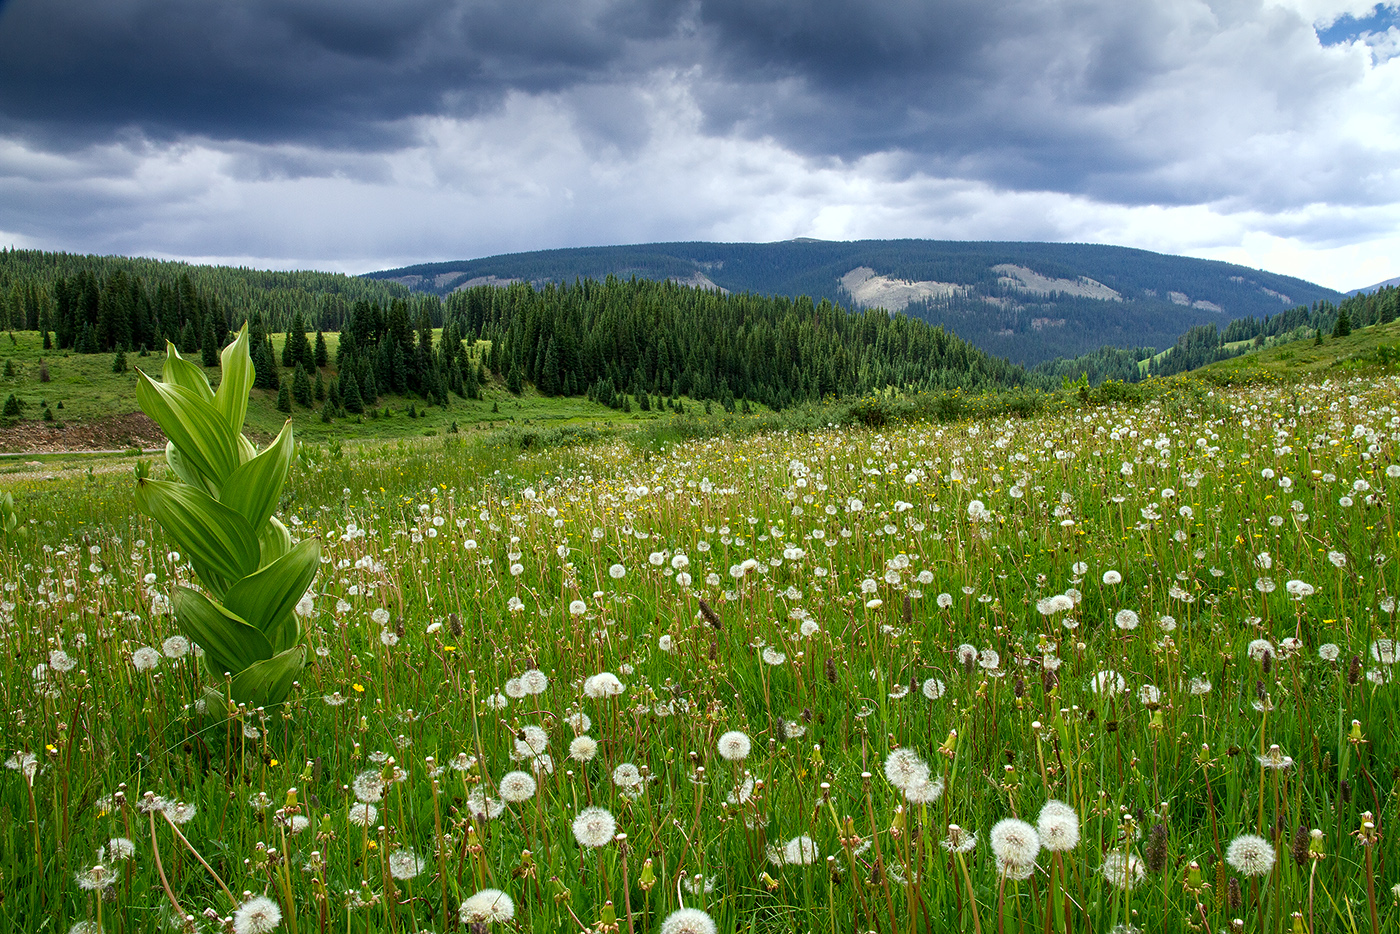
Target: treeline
x=1207 y=344
x=153 y=298
x=615 y=339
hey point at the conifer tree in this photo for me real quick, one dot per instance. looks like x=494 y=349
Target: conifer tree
x=284 y=397
x=350 y=397
x=321 y=356
x=301 y=388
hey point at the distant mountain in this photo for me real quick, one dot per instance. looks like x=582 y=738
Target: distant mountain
x=1377 y=287
x=1028 y=302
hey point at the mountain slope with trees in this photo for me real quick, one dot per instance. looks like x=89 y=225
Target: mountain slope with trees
x=989 y=304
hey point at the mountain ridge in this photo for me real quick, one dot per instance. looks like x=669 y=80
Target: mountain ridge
x=1029 y=301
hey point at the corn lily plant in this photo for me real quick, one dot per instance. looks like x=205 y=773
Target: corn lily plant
x=218 y=512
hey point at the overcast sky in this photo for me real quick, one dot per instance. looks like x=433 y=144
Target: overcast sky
x=363 y=134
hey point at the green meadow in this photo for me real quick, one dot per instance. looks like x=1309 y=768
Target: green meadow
x=1112 y=661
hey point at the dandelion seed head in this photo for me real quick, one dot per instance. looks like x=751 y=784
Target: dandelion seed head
x=1014 y=841
x=583 y=748
x=1122 y=870
x=486 y=907
x=258 y=915
x=904 y=767
x=594 y=827
x=516 y=787
x=1058 y=826
x=688 y=921
x=405 y=864
x=735 y=746
x=800 y=851
x=1250 y=855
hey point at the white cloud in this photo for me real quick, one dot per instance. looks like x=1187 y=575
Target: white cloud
x=537 y=173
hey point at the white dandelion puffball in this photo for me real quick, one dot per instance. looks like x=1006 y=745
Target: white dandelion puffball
x=594 y=827
x=1122 y=870
x=1112 y=577
x=735 y=746
x=800 y=851
x=1258 y=649
x=933 y=688
x=534 y=681
x=626 y=775
x=259 y=915
x=363 y=815
x=1250 y=855
x=577 y=608
x=516 y=787
x=405 y=864
x=1014 y=841
x=603 y=684
x=1126 y=619
x=583 y=748
x=1107 y=683
x=145 y=658
x=904 y=767
x=617 y=572
x=174 y=647
x=924 y=792
x=688 y=921
x=1329 y=651
x=531 y=740
x=368 y=786
x=1058 y=826
x=1299 y=589
x=380 y=616
x=487 y=906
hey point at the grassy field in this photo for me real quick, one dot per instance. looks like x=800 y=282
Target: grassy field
x=82 y=389
x=809 y=675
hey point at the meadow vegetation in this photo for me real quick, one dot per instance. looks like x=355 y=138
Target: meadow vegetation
x=1105 y=660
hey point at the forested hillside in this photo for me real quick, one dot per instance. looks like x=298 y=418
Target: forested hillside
x=619 y=342
x=98 y=303
x=1030 y=302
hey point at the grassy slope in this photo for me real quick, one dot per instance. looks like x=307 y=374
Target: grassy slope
x=1296 y=358
x=89 y=390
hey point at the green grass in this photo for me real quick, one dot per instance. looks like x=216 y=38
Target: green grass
x=858 y=533
x=89 y=392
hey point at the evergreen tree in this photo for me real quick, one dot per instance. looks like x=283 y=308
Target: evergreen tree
x=321 y=356
x=320 y=387
x=471 y=386
x=513 y=378
x=301 y=388
x=209 y=347
x=119 y=361
x=369 y=388
x=350 y=397
x=284 y=398
x=1342 y=327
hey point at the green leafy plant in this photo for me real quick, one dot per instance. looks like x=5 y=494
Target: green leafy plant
x=9 y=518
x=219 y=513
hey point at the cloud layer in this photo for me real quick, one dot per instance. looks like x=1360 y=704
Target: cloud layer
x=357 y=134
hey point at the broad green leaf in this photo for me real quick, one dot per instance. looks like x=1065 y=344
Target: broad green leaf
x=183 y=470
x=229 y=643
x=267 y=599
x=231 y=398
x=274 y=541
x=217 y=539
x=193 y=424
x=254 y=488
x=181 y=372
x=246 y=449
x=267 y=683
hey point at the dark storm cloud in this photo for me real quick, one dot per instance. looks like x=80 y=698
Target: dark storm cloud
x=334 y=72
